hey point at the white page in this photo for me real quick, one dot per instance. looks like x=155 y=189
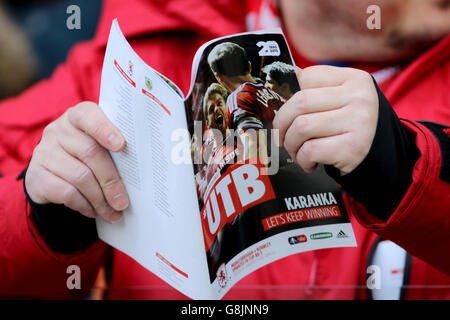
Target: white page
x=161 y=229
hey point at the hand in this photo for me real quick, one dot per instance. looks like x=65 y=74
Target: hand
x=71 y=164
x=332 y=120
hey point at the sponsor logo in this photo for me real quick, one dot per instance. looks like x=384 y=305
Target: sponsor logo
x=297 y=239
x=341 y=235
x=148 y=84
x=321 y=235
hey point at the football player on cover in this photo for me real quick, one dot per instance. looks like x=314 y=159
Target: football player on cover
x=281 y=78
x=251 y=108
x=220 y=150
x=250 y=105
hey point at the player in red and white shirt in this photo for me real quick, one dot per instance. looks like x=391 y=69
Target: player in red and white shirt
x=219 y=148
x=250 y=104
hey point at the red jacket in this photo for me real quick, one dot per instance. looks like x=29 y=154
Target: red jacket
x=166 y=34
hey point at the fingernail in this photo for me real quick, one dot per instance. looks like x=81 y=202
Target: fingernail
x=120 y=202
x=115 y=217
x=115 y=141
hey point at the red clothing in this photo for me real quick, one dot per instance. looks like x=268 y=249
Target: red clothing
x=167 y=34
x=252 y=100
x=221 y=156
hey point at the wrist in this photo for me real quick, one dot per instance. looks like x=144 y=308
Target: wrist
x=63 y=229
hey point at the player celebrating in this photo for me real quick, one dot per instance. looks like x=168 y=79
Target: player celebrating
x=250 y=104
x=220 y=150
x=251 y=108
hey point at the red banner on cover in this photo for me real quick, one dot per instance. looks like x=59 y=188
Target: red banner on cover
x=300 y=215
x=242 y=186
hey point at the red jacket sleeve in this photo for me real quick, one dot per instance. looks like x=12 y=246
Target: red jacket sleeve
x=421 y=222
x=27 y=267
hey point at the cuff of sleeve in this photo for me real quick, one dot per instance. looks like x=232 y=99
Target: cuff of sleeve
x=380 y=181
x=58 y=230
x=92 y=250
x=421 y=221
x=425 y=172
x=21 y=227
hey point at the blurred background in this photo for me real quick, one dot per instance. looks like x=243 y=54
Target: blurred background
x=34 y=38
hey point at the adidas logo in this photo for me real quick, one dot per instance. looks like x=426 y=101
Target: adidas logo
x=341 y=234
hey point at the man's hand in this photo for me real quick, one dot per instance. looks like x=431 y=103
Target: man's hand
x=71 y=164
x=332 y=120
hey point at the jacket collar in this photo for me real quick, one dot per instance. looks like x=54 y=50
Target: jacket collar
x=429 y=60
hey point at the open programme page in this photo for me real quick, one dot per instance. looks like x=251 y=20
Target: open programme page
x=161 y=228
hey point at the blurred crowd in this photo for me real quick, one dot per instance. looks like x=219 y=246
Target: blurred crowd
x=34 y=38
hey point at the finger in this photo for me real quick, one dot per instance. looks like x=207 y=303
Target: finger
x=88 y=117
x=329 y=150
x=315 y=125
x=323 y=76
x=59 y=191
x=308 y=101
x=82 y=178
x=102 y=166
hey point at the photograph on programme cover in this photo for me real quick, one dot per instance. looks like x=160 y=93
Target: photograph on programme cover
x=245 y=183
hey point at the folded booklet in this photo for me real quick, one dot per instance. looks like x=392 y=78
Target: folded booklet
x=212 y=196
